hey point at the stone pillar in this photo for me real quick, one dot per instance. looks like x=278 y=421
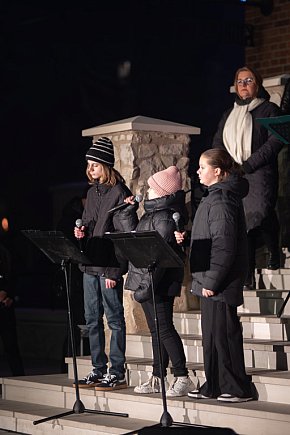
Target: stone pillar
x=144 y=146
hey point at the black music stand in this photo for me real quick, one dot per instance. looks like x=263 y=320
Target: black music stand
x=280 y=127
x=61 y=250
x=148 y=250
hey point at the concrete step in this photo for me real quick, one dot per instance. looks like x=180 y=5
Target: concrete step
x=267 y=327
x=257 y=417
x=269 y=354
x=264 y=301
x=19 y=416
x=272 y=385
x=266 y=354
x=255 y=325
x=273 y=279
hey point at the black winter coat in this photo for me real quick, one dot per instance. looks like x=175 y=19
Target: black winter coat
x=219 y=253
x=261 y=167
x=158 y=216
x=97 y=220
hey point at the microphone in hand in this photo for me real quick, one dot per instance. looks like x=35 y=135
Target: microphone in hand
x=80 y=233
x=180 y=238
x=136 y=199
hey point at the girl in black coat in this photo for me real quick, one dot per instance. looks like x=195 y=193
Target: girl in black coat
x=103 y=281
x=219 y=260
x=256 y=149
x=165 y=198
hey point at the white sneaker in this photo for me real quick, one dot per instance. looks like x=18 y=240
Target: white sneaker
x=180 y=386
x=233 y=399
x=153 y=385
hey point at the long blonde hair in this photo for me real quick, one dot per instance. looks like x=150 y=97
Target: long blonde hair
x=109 y=176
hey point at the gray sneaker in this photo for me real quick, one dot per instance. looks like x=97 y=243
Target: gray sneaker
x=180 y=386
x=153 y=385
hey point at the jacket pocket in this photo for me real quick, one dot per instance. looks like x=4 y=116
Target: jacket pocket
x=200 y=255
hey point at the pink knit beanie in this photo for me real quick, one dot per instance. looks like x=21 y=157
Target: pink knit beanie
x=166 y=182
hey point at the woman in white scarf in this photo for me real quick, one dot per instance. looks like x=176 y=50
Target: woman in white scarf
x=256 y=150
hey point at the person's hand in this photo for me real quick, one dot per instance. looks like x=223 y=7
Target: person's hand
x=179 y=237
x=79 y=232
x=207 y=293
x=110 y=283
x=5 y=300
x=130 y=200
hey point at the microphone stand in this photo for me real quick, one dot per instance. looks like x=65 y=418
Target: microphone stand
x=138 y=248
x=62 y=251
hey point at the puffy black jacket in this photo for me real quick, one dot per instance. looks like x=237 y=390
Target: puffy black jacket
x=219 y=253
x=158 y=216
x=100 y=199
x=261 y=167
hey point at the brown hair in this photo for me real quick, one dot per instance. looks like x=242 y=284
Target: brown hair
x=257 y=77
x=220 y=158
x=109 y=176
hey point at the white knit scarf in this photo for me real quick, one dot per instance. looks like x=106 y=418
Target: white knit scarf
x=237 y=133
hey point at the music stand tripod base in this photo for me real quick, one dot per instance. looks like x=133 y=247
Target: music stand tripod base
x=61 y=250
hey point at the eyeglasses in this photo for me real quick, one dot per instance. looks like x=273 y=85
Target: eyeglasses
x=246 y=82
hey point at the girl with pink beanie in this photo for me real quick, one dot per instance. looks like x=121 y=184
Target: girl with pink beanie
x=165 y=197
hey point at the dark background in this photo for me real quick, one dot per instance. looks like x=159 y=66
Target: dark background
x=60 y=74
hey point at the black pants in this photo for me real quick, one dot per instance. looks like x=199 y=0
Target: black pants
x=8 y=334
x=223 y=351
x=171 y=344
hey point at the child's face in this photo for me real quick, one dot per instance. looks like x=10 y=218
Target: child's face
x=208 y=175
x=95 y=169
x=151 y=194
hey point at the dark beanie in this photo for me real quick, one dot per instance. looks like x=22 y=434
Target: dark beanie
x=102 y=151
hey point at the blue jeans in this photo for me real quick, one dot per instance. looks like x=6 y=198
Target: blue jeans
x=99 y=300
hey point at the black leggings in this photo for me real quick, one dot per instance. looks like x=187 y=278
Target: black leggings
x=171 y=344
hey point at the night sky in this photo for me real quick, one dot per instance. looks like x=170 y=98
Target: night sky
x=60 y=74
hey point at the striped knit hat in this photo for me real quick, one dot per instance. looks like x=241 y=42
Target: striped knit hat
x=166 y=182
x=102 y=151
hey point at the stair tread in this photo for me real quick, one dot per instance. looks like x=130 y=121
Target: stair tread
x=58 y=382
x=84 y=420
x=269 y=410
x=195 y=337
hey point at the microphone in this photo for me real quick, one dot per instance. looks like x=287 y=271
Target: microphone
x=137 y=198
x=79 y=224
x=176 y=218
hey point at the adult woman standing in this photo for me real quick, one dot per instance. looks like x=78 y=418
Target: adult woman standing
x=256 y=149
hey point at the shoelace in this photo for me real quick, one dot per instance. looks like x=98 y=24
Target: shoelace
x=173 y=382
x=90 y=375
x=109 y=377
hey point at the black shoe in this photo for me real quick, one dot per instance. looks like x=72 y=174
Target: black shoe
x=233 y=399
x=91 y=380
x=111 y=382
x=250 y=283
x=274 y=261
